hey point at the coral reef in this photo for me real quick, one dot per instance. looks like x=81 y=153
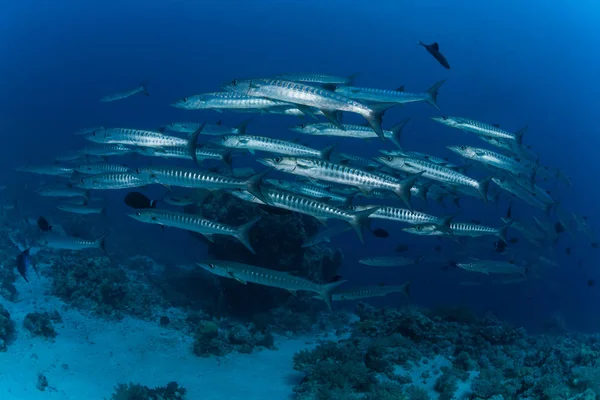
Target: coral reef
x=92 y=283
x=216 y=339
x=7 y=283
x=7 y=328
x=40 y=323
x=172 y=391
x=486 y=359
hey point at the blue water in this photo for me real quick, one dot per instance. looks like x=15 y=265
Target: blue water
x=512 y=64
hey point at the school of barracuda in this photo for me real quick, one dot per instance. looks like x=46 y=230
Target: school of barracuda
x=319 y=182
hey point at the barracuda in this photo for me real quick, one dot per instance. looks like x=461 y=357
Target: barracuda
x=519 y=191
x=260 y=143
x=371 y=291
x=403 y=215
x=480 y=128
x=398 y=261
x=62 y=191
x=293 y=92
x=52 y=169
x=228 y=101
x=80 y=209
x=436 y=172
x=111 y=181
x=184 y=154
x=60 y=242
x=245 y=273
x=315 y=192
x=126 y=94
x=458 y=229
x=330 y=172
x=489 y=266
x=101 y=168
x=319 y=210
x=392 y=96
x=350 y=131
x=321 y=79
x=217 y=129
x=108 y=150
x=195 y=223
x=192 y=178
x=494 y=159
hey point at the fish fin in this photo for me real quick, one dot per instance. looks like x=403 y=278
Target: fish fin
x=307 y=111
x=333 y=118
x=400 y=89
x=232 y=275
x=323 y=221
x=435 y=46
x=208 y=237
x=192 y=146
x=403 y=190
x=227 y=159
x=329 y=86
x=397 y=132
x=502 y=231
x=496 y=125
x=251 y=151
x=432 y=94
x=483 y=186
x=376 y=115
x=243 y=234
x=326 y=152
x=219 y=122
x=253 y=185
x=241 y=127
x=102 y=242
x=326 y=290
x=360 y=220
x=352 y=77
x=293 y=292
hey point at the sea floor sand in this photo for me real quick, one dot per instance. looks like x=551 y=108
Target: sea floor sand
x=90 y=356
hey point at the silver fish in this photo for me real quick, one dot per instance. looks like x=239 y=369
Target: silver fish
x=436 y=172
x=245 y=273
x=403 y=215
x=81 y=209
x=392 y=96
x=217 y=129
x=62 y=191
x=219 y=101
x=108 y=150
x=457 y=229
x=370 y=291
x=480 y=128
x=398 y=261
x=111 y=181
x=341 y=174
x=195 y=223
x=260 y=143
x=312 y=78
x=100 y=168
x=52 y=169
x=309 y=190
x=293 y=92
x=126 y=94
x=60 y=242
x=494 y=159
x=488 y=266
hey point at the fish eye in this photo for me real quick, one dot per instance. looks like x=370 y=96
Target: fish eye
x=302 y=125
x=278 y=159
x=82 y=180
x=138 y=171
x=139 y=214
x=211 y=266
x=234 y=82
x=419 y=227
x=463 y=147
x=389 y=158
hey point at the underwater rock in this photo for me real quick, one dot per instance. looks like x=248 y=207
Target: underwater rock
x=172 y=391
x=212 y=339
x=277 y=240
x=7 y=328
x=42 y=382
x=8 y=289
x=40 y=324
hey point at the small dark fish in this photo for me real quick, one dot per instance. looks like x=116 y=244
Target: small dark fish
x=24 y=264
x=559 y=228
x=513 y=240
x=380 y=233
x=401 y=248
x=438 y=248
x=591 y=282
x=434 y=50
x=139 y=200
x=43 y=224
x=500 y=246
x=568 y=251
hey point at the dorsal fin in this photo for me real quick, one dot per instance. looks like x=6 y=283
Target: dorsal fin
x=219 y=122
x=400 y=89
x=496 y=125
x=435 y=46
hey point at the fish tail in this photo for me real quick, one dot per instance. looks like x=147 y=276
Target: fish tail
x=360 y=220
x=144 y=87
x=519 y=134
x=241 y=127
x=482 y=187
x=326 y=152
x=192 y=146
x=375 y=115
x=502 y=231
x=101 y=242
x=432 y=94
x=243 y=234
x=253 y=185
x=227 y=159
x=327 y=289
x=405 y=289
x=397 y=132
x=404 y=186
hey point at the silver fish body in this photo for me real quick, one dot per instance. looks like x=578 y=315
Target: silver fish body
x=370 y=291
x=108 y=150
x=111 y=181
x=136 y=137
x=62 y=191
x=100 y=168
x=228 y=101
x=52 y=169
x=480 y=128
x=391 y=96
x=80 y=209
x=59 y=242
x=313 y=78
x=126 y=94
x=398 y=261
x=270 y=145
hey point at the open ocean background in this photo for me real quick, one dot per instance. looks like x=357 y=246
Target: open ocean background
x=513 y=63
